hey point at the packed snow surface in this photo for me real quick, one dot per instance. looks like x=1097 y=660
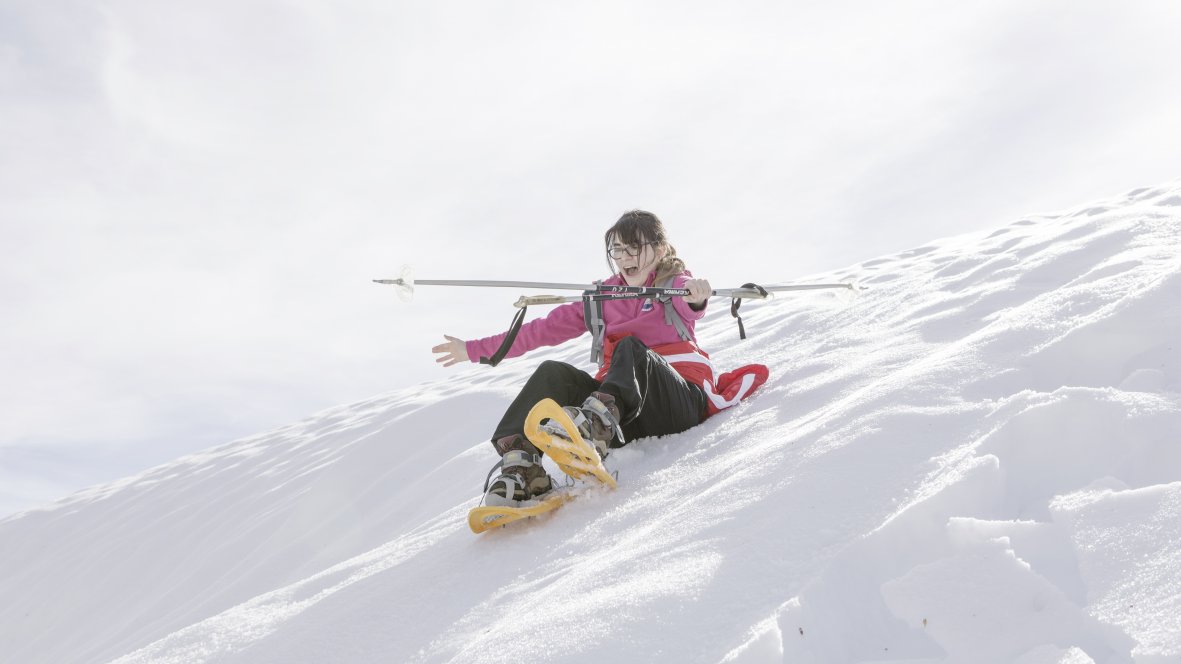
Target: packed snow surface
x=976 y=459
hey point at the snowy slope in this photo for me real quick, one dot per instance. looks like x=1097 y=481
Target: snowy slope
x=975 y=460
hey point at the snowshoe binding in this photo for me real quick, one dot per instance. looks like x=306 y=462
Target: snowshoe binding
x=521 y=478
x=598 y=422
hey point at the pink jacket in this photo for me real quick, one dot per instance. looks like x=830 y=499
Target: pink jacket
x=641 y=318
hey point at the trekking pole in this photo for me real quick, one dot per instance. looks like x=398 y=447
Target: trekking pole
x=406 y=283
x=749 y=292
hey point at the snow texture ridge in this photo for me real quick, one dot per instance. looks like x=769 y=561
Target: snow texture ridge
x=974 y=460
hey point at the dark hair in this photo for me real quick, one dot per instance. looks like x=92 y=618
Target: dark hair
x=637 y=227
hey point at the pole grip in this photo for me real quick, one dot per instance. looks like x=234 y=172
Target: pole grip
x=526 y=300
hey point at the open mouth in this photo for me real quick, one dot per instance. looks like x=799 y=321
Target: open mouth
x=631 y=271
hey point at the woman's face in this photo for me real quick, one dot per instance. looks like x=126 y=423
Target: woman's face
x=635 y=262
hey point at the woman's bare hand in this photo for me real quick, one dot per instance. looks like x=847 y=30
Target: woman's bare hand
x=453 y=352
x=699 y=291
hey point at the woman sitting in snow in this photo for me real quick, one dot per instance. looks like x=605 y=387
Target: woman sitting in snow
x=653 y=379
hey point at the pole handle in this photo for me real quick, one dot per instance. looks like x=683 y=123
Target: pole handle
x=526 y=300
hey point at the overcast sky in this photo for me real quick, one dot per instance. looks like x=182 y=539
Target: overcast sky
x=194 y=196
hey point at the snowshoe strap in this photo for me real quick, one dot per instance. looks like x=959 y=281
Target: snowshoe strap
x=554 y=429
x=488 y=480
x=512 y=484
x=519 y=458
x=600 y=410
x=582 y=423
x=511 y=459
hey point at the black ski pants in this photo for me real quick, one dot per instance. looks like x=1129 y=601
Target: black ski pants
x=653 y=399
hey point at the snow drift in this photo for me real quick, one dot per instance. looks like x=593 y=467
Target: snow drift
x=975 y=460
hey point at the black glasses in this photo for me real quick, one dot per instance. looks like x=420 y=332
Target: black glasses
x=632 y=250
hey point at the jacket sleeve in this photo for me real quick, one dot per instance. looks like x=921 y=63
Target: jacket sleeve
x=564 y=323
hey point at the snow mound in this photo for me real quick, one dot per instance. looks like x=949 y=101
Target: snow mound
x=975 y=460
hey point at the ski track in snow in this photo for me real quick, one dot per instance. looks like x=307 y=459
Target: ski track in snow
x=976 y=459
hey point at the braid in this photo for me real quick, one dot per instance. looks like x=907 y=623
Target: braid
x=669 y=266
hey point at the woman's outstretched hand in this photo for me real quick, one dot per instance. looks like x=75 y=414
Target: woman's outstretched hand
x=452 y=352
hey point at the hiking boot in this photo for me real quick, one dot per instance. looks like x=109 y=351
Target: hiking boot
x=598 y=421
x=522 y=477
